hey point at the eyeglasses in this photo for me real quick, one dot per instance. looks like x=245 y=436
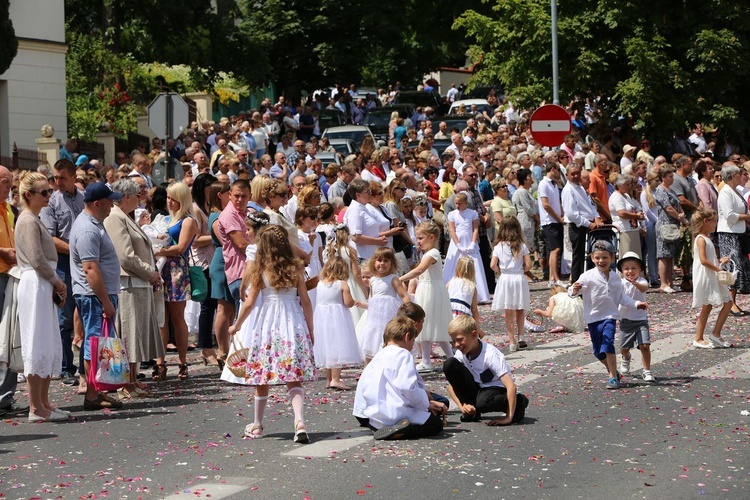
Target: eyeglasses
x=472 y=175
x=377 y=193
x=44 y=192
x=300 y=186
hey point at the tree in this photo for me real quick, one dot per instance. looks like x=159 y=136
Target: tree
x=667 y=63
x=8 y=41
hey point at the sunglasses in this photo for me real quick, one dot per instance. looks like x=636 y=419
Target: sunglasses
x=44 y=192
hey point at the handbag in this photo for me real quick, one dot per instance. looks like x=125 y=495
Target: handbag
x=198 y=282
x=669 y=232
x=745 y=243
x=727 y=276
x=110 y=368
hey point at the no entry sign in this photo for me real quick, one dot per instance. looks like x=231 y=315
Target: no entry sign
x=550 y=124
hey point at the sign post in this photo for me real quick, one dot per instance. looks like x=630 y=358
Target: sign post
x=168 y=115
x=550 y=124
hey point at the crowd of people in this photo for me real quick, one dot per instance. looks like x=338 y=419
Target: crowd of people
x=308 y=265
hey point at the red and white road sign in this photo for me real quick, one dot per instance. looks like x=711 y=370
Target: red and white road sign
x=550 y=124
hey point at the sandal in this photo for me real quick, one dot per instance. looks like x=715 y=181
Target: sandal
x=183 y=373
x=339 y=386
x=300 y=433
x=254 y=431
x=221 y=361
x=160 y=372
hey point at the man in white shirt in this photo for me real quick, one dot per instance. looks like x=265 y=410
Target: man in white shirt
x=698 y=140
x=551 y=219
x=452 y=93
x=581 y=217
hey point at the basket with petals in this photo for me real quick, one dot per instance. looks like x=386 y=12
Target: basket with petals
x=237 y=361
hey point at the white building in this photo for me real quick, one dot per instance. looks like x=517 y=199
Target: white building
x=32 y=91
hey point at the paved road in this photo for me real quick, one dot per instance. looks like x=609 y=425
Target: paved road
x=685 y=437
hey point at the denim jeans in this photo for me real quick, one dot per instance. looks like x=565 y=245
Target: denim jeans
x=91 y=312
x=65 y=315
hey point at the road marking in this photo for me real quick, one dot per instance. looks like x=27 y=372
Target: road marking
x=338 y=443
x=661 y=350
x=230 y=486
x=737 y=367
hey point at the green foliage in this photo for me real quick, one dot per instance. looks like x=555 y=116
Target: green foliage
x=8 y=42
x=666 y=63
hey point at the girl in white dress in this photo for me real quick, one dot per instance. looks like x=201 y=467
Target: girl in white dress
x=463 y=291
x=386 y=296
x=336 y=345
x=253 y=223
x=463 y=227
x=338 y=244
x=281 y=351
x=707 y=291
x=431 y=294
x=511 y=259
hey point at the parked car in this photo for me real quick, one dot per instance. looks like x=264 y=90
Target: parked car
x=328 y=158
x=421 y=98
x=481 y=104
x=379 y=119
x=344 y=147
x=330 y=118
x=452 y=121
x=354 y=132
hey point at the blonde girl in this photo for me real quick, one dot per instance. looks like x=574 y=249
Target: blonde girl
x=281 y=351
x=707 y=291
x=462 y=290
x=431 y=294
x=386 y=296
x=337 y=243
x=336 y=345
x=511 y=259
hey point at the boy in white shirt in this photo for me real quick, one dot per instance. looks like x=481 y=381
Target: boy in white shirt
x=602 y=292
x=634 y=330
x=391 y=398
x=480 y=380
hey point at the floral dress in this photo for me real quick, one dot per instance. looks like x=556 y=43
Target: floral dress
x=281 y=350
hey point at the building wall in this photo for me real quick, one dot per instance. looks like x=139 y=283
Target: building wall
x=32 y=91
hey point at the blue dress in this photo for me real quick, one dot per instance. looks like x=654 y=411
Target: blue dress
x=176 y=274
x=219 y=287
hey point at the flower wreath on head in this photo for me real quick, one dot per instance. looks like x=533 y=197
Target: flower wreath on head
x=258 y=220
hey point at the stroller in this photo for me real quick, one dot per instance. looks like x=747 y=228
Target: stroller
x=607 y=233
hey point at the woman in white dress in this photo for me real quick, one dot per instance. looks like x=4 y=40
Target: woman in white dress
x=463 y=226
x=40 y=333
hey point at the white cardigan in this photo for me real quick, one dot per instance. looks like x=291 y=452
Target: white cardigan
x=730 y=206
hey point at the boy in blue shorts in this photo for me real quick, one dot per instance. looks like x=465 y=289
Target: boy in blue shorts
x=602 y=292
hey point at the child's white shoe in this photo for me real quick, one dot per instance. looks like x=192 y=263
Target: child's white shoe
x=647 y=377
x=425 y=367
x=625 y=365
x=513 y=347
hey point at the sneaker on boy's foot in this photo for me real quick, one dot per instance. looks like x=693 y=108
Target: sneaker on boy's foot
x=625 y=365
x=613 y=383
x=424 y=367
x=390 y=432
x=513 y=347
x=647 y=377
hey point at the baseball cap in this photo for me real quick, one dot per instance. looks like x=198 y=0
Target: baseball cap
x=98 y=191
x=81 y=160
x=603 y=245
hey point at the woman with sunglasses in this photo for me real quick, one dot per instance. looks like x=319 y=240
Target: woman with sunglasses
x=41 y=288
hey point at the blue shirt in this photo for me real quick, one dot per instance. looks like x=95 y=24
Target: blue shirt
x=62 y=211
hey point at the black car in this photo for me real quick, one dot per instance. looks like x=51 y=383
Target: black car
x=330 y=118
x=421 y=98
x=452 y=121
x=379 y=119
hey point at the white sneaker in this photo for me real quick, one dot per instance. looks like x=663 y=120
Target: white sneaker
x=647 y=377
x=625 y=365
x=21 y=378
x=425 y=367
x=513 y=347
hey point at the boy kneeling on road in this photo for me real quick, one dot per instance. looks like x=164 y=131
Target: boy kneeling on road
x=479 y=377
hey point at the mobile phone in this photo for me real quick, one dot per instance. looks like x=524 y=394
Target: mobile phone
x=57 y=299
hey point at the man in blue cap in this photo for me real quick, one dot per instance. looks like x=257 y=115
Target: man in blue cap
x=96 y=277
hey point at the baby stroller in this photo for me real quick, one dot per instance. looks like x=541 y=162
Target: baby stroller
x=606 y=233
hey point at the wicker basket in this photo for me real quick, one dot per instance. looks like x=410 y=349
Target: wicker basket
x=728 y=276
x=237 y=361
